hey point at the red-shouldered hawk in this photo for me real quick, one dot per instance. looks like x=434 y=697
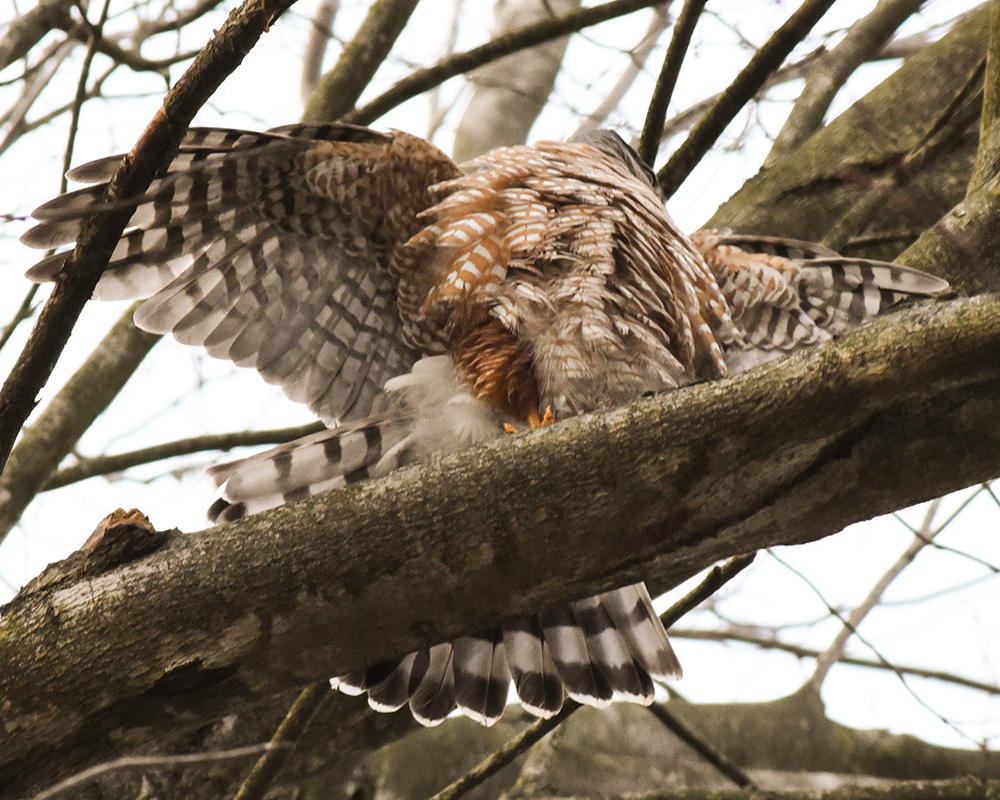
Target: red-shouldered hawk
x=331 y=258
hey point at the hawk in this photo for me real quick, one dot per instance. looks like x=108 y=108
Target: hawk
x=417 y=307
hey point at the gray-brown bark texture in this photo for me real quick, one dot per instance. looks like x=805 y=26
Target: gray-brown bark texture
x=116 y=650
x=899 y=412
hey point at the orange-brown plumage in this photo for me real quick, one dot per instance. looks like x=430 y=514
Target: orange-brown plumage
x=499 y=369
x=366 y=272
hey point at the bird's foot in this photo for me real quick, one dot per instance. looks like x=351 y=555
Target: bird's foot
x=534 y=421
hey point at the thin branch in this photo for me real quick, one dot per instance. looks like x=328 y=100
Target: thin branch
x=132 y=56
x=529 y=36
x=24 y=128
x=746 y=85
x=710 y=754
x=266 y=769
x=94 y=36
x=24 y=311
x=870 y=645
x=692 y=115
x=835 y=651
x=14 y=118
x=108 y=465
x=152 y=27
x=799 y=651
x=652 y=129
x=639 y=55
x=511 y=749
x=149 y=762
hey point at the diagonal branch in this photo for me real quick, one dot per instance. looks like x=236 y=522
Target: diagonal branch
x=739 y=93
x=537 y=33
x=98 y=239
x=898 y=412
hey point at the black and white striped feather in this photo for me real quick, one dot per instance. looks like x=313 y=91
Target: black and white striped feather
x=241 y=247
x=275 y=250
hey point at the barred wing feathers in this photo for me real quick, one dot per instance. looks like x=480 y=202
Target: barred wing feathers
x=272 y=250
x=784 y=293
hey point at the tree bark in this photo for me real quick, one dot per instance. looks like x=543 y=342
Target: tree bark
x=115 y=649
x=898 y=412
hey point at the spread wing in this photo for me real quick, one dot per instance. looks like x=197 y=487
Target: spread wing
x=272 y=250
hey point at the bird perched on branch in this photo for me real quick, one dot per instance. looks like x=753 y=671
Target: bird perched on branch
x=418 y=307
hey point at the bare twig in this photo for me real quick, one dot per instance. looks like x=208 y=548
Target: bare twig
x=163 y=24
x=15 y=117
x=107 y=465
x=770 y=643
x=266 y=769
x=94 y=37
x=889 y=665
x=150 y=762
x=25 y=127
x=652 y=129
x=740 y=92
x=24 y=311
x=639 y=55
x=718 y=760
x=834 y=652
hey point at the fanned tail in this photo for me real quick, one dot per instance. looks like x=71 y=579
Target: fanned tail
x=592 y=650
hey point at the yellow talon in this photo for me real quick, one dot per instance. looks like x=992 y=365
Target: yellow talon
x=547 y=418
x=534 y=421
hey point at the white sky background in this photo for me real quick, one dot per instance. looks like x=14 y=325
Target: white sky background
x=941 y=614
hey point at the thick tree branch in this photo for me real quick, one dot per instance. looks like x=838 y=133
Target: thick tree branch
x=898 y=412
